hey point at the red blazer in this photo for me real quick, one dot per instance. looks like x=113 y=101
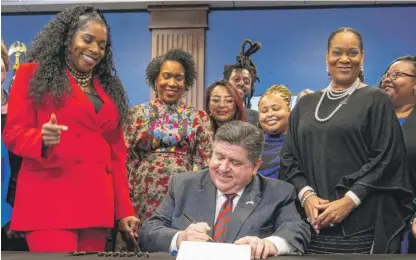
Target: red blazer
x=82 y=182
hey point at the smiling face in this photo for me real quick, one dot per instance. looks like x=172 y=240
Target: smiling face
x=222 y=105
x=230 y=168
x=402 y=89
x=241 y=79
x=344 y=58
x=88 y=46
x=170 y=82
x=273 y=114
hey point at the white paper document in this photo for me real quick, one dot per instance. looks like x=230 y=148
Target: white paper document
x=213 y=251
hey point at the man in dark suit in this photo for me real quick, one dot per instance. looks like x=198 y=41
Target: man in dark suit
x=229 y=202
x=243 y=76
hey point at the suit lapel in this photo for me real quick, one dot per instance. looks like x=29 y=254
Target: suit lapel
x=80 y=96
x=245 y=206
x=108 y=111
x=205 y=201
x=100 y=92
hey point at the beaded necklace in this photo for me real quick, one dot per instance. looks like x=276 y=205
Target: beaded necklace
x=84 y=80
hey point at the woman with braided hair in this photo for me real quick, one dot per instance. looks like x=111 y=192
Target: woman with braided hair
x=243 y=76
x=66 y=110
x=274 y=110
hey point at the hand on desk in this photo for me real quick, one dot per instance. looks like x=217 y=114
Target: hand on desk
x=194 y=232
x=260 y=248
x=129 y=227
x=333 y=212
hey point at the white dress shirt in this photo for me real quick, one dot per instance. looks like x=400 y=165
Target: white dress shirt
x=283 y=247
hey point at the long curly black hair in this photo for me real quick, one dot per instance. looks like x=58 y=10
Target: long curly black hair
x=181 y=56
x=244 y=62
x=51 y=50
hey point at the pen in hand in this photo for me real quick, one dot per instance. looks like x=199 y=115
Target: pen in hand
x=192 y=222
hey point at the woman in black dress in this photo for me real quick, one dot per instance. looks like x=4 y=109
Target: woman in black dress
x=344 y=154
x=399 y=82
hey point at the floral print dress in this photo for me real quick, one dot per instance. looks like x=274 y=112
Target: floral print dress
x=163 y=140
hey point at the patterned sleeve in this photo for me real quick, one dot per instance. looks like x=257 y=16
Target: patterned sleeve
x=131 y=136
x=204 y=137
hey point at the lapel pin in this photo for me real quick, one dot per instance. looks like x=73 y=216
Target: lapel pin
x=250 y=202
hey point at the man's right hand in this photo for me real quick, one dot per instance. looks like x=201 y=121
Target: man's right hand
x=194 y=232
x=310 y=209
x=51 y=132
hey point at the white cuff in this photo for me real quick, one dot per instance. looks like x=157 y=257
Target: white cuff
x=302 y=192
x=173 y=246
x=354 y=198
x=283 y=247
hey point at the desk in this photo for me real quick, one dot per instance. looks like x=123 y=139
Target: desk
x=164 y=256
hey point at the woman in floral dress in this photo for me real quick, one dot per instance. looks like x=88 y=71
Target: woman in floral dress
x=165 y=136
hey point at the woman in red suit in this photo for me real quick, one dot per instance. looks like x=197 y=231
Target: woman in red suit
x=66 y=109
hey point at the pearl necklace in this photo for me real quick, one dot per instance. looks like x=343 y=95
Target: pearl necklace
x=335 y=95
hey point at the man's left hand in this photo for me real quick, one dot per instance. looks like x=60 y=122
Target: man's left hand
x=414 y=227
x=130 y=226
x=334 y=212
x=260 y=248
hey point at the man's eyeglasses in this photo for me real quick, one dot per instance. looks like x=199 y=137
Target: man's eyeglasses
x=396 y=74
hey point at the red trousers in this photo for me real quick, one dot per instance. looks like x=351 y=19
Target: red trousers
x=87 y=240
